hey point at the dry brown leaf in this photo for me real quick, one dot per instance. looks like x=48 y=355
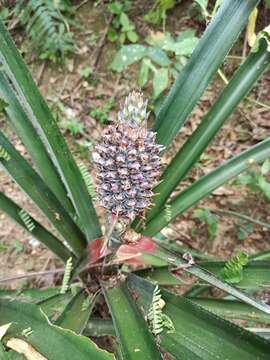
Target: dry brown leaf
x=24 y=348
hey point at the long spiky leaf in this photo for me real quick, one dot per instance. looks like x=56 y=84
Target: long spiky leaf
x=42 y=120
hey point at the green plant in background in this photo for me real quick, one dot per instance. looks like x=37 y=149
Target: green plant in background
x=58 y=188
x=122 y=28
x=74 y=126
x=4 y=14
x=205 y=216
x=47 y=24
x=163 y=56
x=101 y=114
x=256 y=178
x=157 y=13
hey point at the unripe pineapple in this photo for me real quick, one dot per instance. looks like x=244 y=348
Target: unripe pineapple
x=127 y=161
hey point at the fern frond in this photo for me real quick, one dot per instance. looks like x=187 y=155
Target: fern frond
x=46 y=26
x=168 y=212
x=4 y=154
x=233 y=268
x=157 y=319
x=27 y=220
x=67 y=275
x=88 y=181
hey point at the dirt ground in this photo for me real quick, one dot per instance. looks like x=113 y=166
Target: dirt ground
x=70 y=95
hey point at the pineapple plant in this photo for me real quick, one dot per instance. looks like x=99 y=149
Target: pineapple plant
x=126 y=266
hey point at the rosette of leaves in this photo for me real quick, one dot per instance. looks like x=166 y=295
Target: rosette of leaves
x=143 y=321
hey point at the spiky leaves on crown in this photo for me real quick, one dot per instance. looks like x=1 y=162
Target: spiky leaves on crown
x=127 y=161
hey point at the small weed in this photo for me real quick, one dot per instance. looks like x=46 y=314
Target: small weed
x=209 y=219
x=256 y=178
x=92 y=39
x=122 y=28
x=74 y=126
x=16 y=246
x=101 y=114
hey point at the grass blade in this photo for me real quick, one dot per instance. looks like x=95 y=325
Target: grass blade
x=38 y=113
x=239 y=86
x=206 y=184
x=33 y=144
x=211 y=50
x=39 y=232
x=19 y=169
x=135 y=340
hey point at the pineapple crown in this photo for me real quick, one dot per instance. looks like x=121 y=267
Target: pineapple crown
x=133 y=111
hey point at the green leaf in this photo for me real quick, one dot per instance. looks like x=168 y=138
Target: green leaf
x=135 y=340
x=77 y=312
x=51 y=341
x=232 y=309
x=112 y=34
x=255 y=274
x=160 y=276
x=165 y=257
x=198 y=333
x=158 y=56
x=241 y=83
x=206 y=184
x=144 y=73
x=41 y=195
x=127 y=55
x=160 y=81
x=182 y=48
x=24 y=129
x=124 y=21
x=115 y=7
x=54 y=305
x=39 y=232
x=217 y=40
x=265 y=169
x=29 y=295
x=264 y=185
x=187 y=34
x=209 y=219
x=99 y=327
x=132 y=36
x=39 y=115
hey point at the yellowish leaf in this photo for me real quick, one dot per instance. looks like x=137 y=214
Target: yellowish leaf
x=251 y=27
